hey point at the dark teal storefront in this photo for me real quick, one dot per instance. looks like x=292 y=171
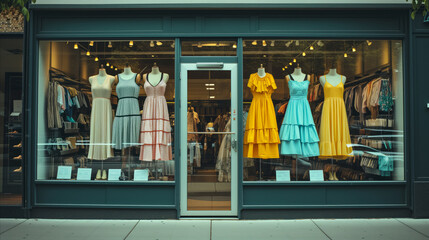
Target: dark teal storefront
x=271 y=200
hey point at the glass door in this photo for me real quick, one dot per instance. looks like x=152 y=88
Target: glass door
x=208 y=139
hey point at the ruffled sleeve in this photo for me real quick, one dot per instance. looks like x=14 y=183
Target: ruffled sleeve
x=265 y=84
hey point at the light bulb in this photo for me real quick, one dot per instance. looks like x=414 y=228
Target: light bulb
x=290 y=63
x=111 y=67
x=107 y=64
x=297 y=42
x=288 y=43
x=320 y=43
x=345 y=55
x=294 y=60
x=264 y=43
x=172 y=45
x=368 y=42
x=88 y=53
x=199 y=45
x=311 y=48
x=244 y=43
x=303 y=54
x=272 y=44
x=151 y=44
x=76 y=46
x=91 y=43
x=283 y=69
x=254 y=42
x=234 y=46
x=286 y=67
x=116 y=69
x=158 y=43
x=96 y=59
x=131 y=43
x=110 y=44
x=353 y=49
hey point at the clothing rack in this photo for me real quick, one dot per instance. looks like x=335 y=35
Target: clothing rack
x=369 y=77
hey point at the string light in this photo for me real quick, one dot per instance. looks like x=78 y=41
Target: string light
x=254 y=42
x=96 y=59
x=199 y=45
x=290 y=63
x=111 y=67
x=345 y=55
x=264 y=43
x=234 y=46
x=76 y=46
x=88 y=53
x=294 y=60
x=283 y=69
x=107 y=64
x=158 y=43
x=368 y=42
x=131 y=43
x=353 y=49
x=303 y=54
x=311 y=48
x=91 y=43
x=116 y=69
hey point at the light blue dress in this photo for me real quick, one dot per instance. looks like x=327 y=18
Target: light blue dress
x=126 y=125
x=298 y=133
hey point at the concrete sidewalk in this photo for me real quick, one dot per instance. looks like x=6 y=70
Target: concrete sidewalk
x=336 y=229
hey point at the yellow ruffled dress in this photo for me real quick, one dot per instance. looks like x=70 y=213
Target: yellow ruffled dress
x=334 y=127
x=261 y=137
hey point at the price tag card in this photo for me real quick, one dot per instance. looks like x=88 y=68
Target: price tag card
x=64 y=172
x=316 y=175
x=282 y=175
x=84 y=174
x=141 y=175
x=114 y=175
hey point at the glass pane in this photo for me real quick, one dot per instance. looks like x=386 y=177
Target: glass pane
x=11 y=122
x=332 y=105
x=209 y=48
x=209 y=140
x=110 y=110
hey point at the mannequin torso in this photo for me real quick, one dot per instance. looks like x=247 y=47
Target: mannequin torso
x=127 y=74
x=155 y=76
x=261 y=72
x=333 y=78
x=297 y=75
x=101 y=77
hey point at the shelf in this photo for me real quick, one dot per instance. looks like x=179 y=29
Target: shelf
x=68 y=152
x=71 y=130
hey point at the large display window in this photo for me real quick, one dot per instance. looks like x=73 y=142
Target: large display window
x=106 y=110
x=323 y=110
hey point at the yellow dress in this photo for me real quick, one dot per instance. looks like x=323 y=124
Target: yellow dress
x=261 y=137
x=334 y=128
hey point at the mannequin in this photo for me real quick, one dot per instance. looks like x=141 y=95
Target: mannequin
x=155 y=76
x=126 y=74
x=332 y=77
x=261 y=71
x=297 y=75
x=100 y=120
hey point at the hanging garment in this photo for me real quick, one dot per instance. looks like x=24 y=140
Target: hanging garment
x=261 y=137
x=385 y=99
x=126 y=125
x=298 y=133
x=334 y=128
x=155 y=132
x=223 y=162
x=192 y=121
x=101 y=120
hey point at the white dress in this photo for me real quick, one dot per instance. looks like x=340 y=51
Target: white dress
x=101 y=120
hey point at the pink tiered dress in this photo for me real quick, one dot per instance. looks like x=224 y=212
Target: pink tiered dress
x=155 y=131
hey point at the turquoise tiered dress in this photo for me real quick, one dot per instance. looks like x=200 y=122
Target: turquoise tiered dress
x=298 y=133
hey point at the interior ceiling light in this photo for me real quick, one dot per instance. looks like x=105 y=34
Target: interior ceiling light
x=199 y=45
x=272 y=44
x=209 y=84
x=76 y=46
x=320 y=43
x=91 y=43
x=131 y=43
x=254 y=43
x=345 y=55
x=353 y=49
x=153 y=56
x=151 y=44
x=210 y=88
x=88 y=53
x=158 y=43
x=212 y=97
x=234 y=46
x=265 y=56
x=172 y=45
x=297 y=43
x=294 y=60
x=303 y=54
x=264 y=43
x=368 y=42
x=288 y=43
x=311 y=48
x=244 y=43
x=96 y=59
x=109 y=45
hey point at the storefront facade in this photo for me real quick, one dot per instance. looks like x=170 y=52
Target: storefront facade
x=222 y=45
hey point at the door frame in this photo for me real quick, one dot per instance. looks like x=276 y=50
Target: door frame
x=192 y=66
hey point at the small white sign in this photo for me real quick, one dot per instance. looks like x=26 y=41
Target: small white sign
x=316 y=176
x=141 y=175
x=114 y=175
x=283 y=175
x=17 y=106
x=64 y=172
x=84 y=174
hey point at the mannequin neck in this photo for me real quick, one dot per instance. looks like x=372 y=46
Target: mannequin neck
x=261 y=72
x=297 y=71
x=332 y=72
x=102 y=72
x=127 y=71
x=155 y=70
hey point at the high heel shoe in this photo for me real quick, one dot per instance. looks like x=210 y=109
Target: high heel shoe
x=104 y=177
x=98 y=176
